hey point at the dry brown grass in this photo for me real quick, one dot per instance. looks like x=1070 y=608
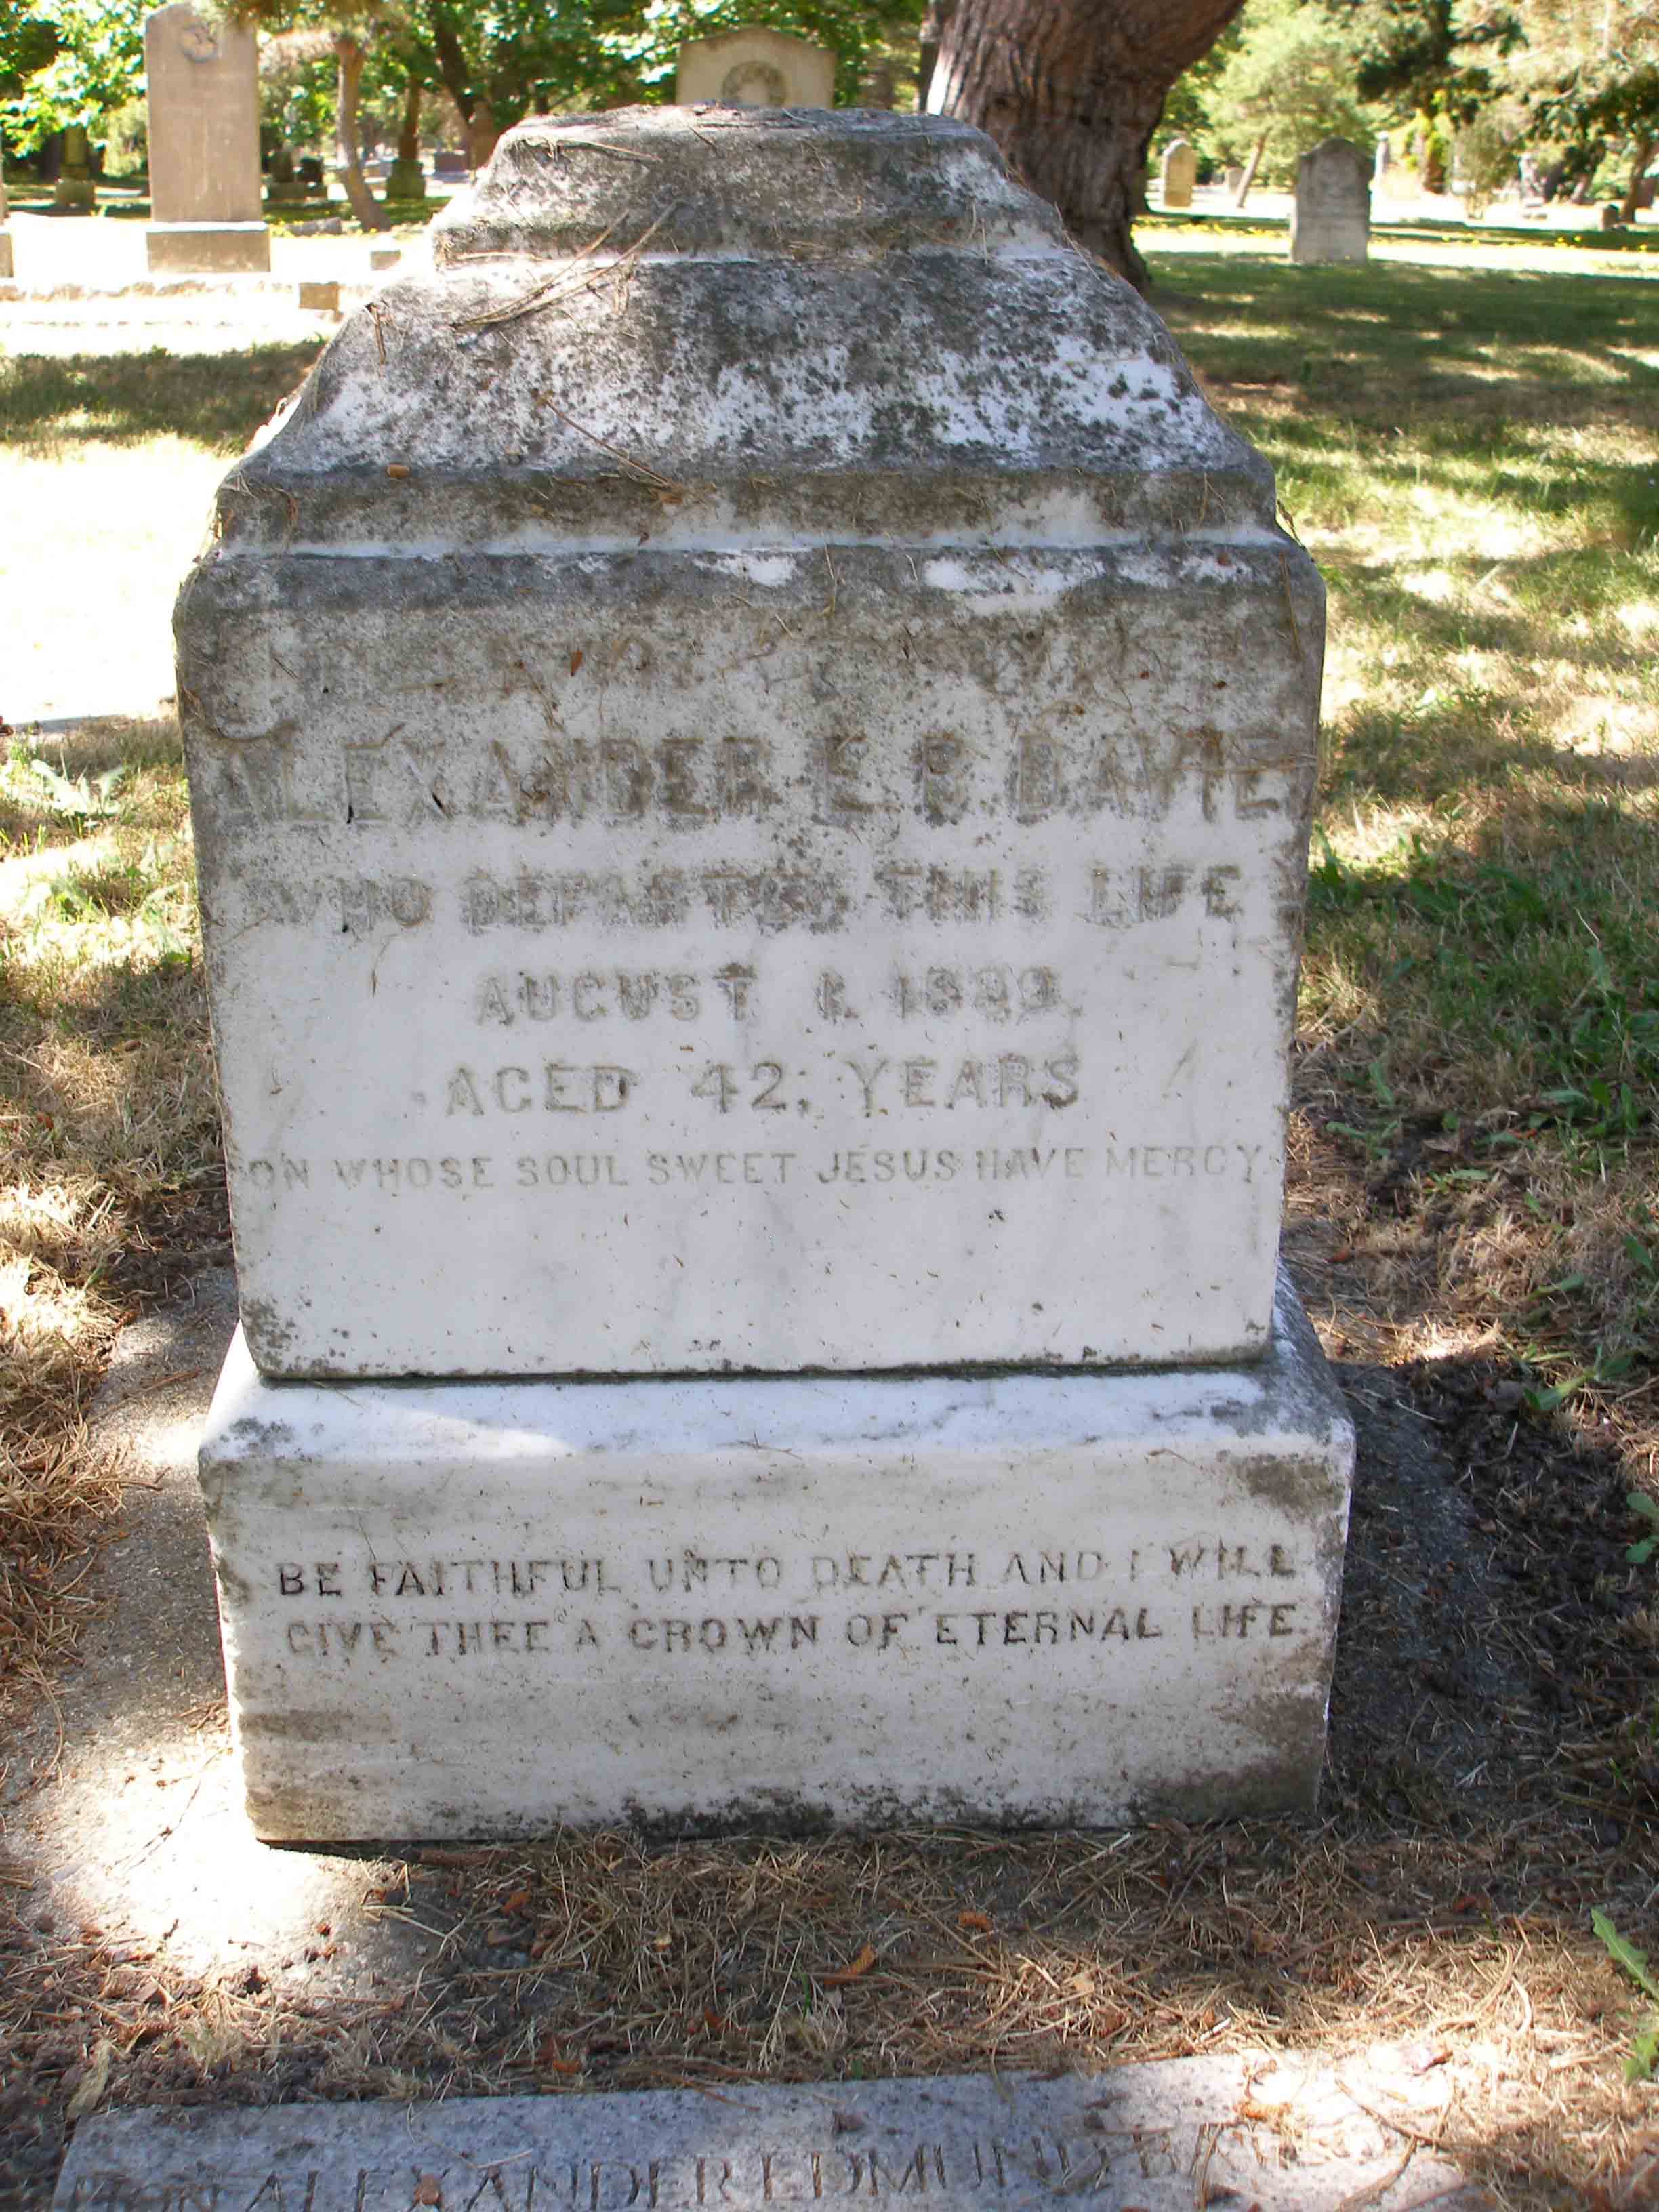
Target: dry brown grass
x=110 y=1186
x=593 y=1962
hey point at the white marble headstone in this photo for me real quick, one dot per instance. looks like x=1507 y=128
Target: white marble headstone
x=751 y=793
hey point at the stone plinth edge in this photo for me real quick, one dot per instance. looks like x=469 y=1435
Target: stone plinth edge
x=1027 y=1600
x=743 y=181
x=208 y=248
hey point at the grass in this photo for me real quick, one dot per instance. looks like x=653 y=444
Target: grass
x=1471 y=457
x=113 y=1187
x=113 y=1181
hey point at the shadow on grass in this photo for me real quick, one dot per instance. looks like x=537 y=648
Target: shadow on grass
x=1387 y=340
x=216 y=400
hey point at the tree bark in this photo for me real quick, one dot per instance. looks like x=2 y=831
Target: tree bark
x=477 y=117
x=1645 y=142
x=409 y=130
x=481 y=132
x=934 y=24
x=1072 y=91
x=1250 y=168
x=349 y=58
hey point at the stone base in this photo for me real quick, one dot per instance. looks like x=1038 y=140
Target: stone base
x=1282 y=2133
x=207 y=248
x=1314 y=242
x=79 y=194
x=477 y=1609
x=405 y=180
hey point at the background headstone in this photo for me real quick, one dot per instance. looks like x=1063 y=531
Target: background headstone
x=1233 y=179
x=284 y=188
x=1180 y=174
x=75 y=188
x=5 y=234
x=1331 y=215
x=844 y=945
x=203 y=96
x=756 y=67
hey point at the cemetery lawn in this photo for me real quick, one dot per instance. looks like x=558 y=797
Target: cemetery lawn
x=1473 y=459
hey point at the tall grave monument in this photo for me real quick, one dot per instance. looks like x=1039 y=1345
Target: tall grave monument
x=755 y=67
x=752 y=797
x=203 y=95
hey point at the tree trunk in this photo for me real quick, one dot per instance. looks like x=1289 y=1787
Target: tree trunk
x=1645 y=143
x=477 y=117
x=1072 y=91
x=934 y=24
x=1250 y=168
x=370 y=215
x=409 y=130
x=481 y=132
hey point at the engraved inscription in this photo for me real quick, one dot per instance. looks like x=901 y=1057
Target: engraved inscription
x=677 y=2176
x=748 y=1609
x=404 y=1176
x=1071 y=766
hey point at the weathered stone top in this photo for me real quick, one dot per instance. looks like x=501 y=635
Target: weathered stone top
x=595 y=358
x=746 y=180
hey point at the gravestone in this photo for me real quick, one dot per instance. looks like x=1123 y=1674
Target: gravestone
x=1331 y=214
x=1180 y=174
x=284 y=188
x=753 y=821
x=756 y=67
x=1285 y=2134
x=74 y=190
x=1233 y=178
x=320 y=295
x=202 y=79
x=446 y=163
x=6 y=269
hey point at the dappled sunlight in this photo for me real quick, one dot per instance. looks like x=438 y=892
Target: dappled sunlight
x=1589 y=724
x=155 y=1845
x=140 y=516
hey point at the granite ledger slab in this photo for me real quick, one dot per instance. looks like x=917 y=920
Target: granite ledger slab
x=1284 y=2135
x=751 y=795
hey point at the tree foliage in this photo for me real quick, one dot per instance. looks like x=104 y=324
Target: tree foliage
x=70 y=61
x=510 y=59
x=1584 y=73
x=1291 y=83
